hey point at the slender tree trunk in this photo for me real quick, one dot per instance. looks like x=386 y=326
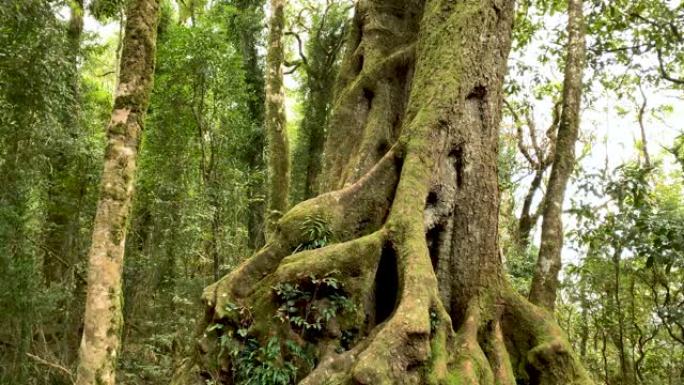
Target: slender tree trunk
x=103 y=313
x=539 y=157
x=308 y=153
x=411 y=210
x=545 y=280
x=642 y=126
x=61 y=209
x=276 y=130
x=65 y=191
x=528 y=219
x=249 y=33
x=625 y=357
x=584 y=323
x=247 y=23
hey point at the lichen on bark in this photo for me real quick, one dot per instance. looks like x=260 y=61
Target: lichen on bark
x=103 y=312
x=411 y=207
x=276 y=130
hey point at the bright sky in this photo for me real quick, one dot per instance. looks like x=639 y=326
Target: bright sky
x=612 y=135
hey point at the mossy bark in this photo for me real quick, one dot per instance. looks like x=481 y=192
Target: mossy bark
x=103 y=312
x=412 y=201
x=545 y=280
x=247 y=41
x=276 y=130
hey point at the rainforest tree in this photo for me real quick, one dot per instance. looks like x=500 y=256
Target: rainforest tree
x=545 y=281
x=407 y=284
x=278 y=144
x=103 y=312
x=423 y=156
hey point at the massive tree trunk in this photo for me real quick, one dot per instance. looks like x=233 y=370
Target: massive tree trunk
x=276 y=130
x=545 y=280
x=103 y=313
x=410 y=222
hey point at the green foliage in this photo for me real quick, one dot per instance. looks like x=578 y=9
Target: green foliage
x=317 y=231
x=306 y=306
x=51 y=118
x=320 y=28
x=190 y=218
x=520 y=267
x=105 y=10
x=626 y=288
x=311 y=303
x=198 y=192
x=275 y=363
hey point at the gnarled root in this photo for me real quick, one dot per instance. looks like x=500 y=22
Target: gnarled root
x=404 y=334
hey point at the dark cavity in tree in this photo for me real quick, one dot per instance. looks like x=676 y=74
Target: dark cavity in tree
x=433 y=238
x=456 y=157
x=386 y=285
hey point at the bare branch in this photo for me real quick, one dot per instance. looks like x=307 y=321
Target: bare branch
x=663 y=70
x=61 y=368
x=300 y=47
x=519 y=130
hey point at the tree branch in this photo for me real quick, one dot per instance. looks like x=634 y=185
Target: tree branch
x=663 y=70
x=52 y=365
x=300 y=47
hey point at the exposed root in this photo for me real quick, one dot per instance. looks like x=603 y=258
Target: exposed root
x=543 y=355
x=501 y=339
x=471 y=366
x=499 y=357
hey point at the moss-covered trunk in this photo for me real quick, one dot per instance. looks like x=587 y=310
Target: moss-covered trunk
x=545 y=280
x=62 y=207
x=393 y=276
x=103 y=314
x=247 y=22
x=276 y=130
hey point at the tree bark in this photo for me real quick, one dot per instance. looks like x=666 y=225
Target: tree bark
x=545 y=280
x=248 y=24
x=276 y=130
x=412 y=209
x=103 y=313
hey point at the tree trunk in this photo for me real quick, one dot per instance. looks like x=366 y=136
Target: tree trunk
x=66 y=187
x=103 y=313
x=248 y=24
x=411 y=224
x=545 y=280
x=308 y=152
x=61 y=208
x=528 y=219
x=320 y=67
x=276 y=130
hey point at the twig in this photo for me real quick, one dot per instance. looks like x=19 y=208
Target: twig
x=53 y=365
